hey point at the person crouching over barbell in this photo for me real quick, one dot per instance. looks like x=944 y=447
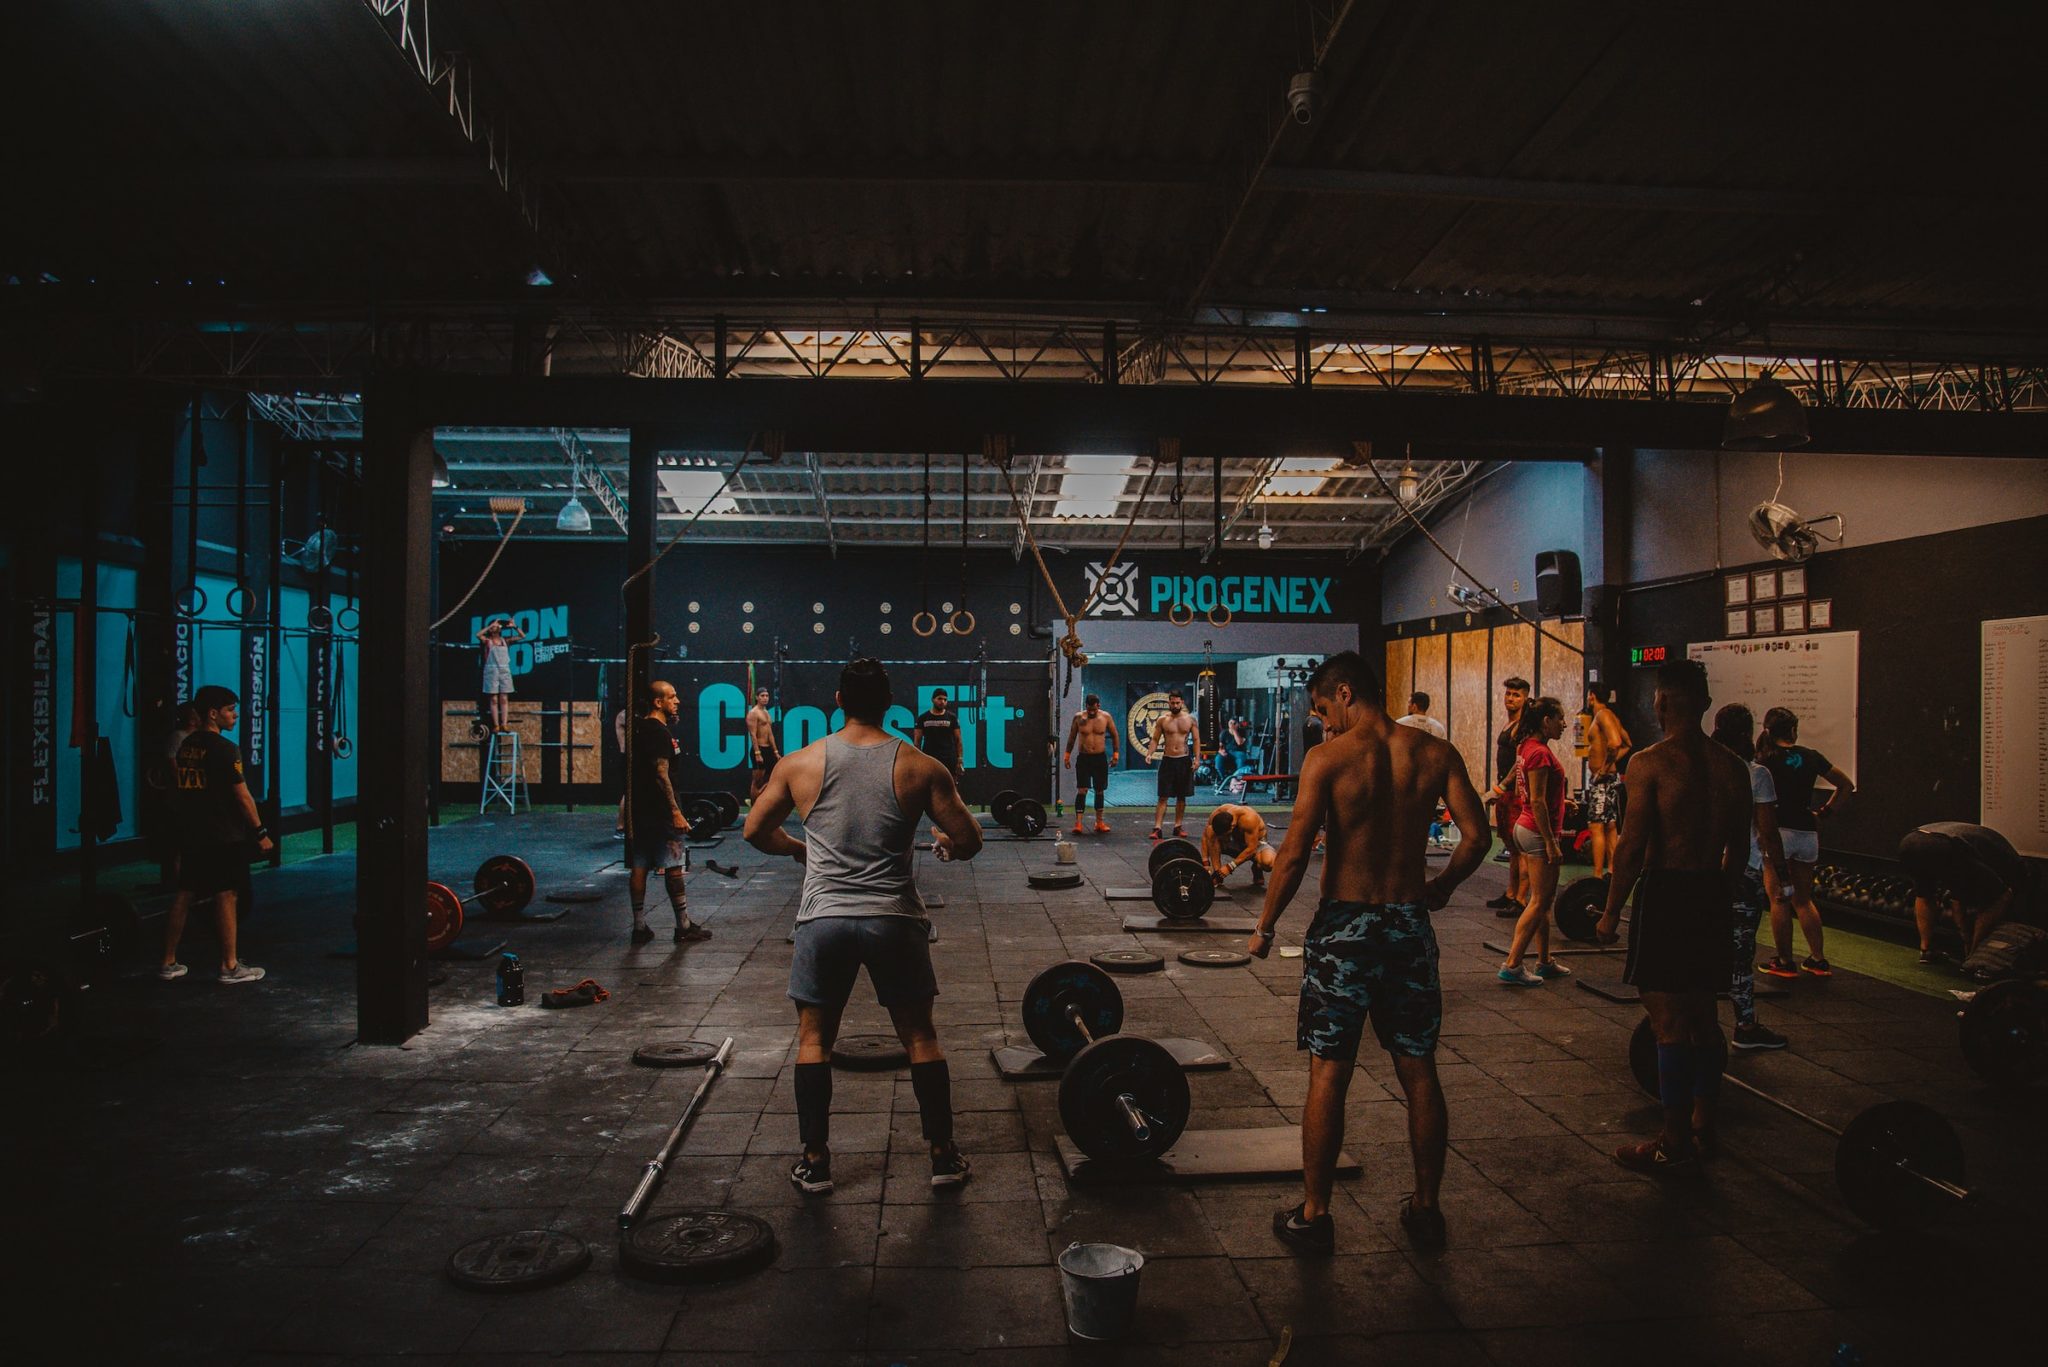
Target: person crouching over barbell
x=1236 y=835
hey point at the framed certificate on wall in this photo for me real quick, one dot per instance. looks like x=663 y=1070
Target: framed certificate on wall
x=1763 y=621
x=1792 y=582
x=1763 y=585
x=1792 y=615
x=1820 y=614
x=1737 y=586
x=1738 y=621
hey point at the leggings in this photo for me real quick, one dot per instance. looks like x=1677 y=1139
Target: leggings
x=1750 y=901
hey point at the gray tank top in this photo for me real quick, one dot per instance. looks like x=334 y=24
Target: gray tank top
x=857 y=838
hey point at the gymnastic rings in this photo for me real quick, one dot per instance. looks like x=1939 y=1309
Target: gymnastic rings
x=349 y=618
x=190 y=601
x=953 y=622
x=343 y=747
x=238 y=600
x=924 y=623
x=1228 y=617
x=1173 y=613
x=319 y=618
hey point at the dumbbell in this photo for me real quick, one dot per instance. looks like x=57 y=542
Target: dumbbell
x=1182 y=888
x=1122 y=1097
x=1024 y=816
x=504 y=885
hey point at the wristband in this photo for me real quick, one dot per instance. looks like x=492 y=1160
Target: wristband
x=1263 y=933
x=260 y=833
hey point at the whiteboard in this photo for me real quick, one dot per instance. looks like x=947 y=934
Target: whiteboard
x=2013 y=784
x=1814 y=675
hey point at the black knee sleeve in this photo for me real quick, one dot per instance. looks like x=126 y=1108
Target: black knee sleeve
x=933 y=1083
x=814 y=1105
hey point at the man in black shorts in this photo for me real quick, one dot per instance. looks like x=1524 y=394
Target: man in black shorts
x=937 y=733
x=1970 y=873
x=861 y=793
x=1182 y=742
x=1094 y=731
x=1690 y=805
x=216 y=820
x=655 y=825
x=1370 y=954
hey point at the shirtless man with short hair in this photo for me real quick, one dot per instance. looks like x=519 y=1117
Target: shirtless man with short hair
x=1176 y=732
x=1607 y=745
x=1370 y=954
x=1690 y=806
x=1094 y=731
x=1236 y=834
x=762 y=748
x=1501 y=797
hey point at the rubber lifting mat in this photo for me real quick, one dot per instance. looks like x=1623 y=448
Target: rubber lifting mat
x=697 y=1246
x=519 y=1261
x=1128 y=961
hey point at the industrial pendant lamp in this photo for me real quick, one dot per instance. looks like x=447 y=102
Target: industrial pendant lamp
x=1765 y=417
x=574 y=517
x=442 y=479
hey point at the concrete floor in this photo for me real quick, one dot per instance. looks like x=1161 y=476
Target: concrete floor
x=235 y=1180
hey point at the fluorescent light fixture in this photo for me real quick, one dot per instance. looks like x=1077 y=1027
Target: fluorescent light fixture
x=693 y=489
x=1093 y=486
x=1300 y=475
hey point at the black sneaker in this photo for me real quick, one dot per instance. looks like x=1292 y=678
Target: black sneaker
x=1310 y=1236
x=643 y=934
x=950 y=1169
x=691 y=933
x=812 y=1177
x=1933 y=956
x=1425 y=1225
x=1757 y=1036
x=1503 y=904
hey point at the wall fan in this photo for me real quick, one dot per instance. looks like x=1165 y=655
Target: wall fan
x=1787 y=535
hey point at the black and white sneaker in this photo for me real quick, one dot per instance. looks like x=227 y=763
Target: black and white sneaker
x=950 y=1169
x=643 y=934
x=1757 y=1036
x=1310 y=1236
x=691 y=933
x=812 y=1177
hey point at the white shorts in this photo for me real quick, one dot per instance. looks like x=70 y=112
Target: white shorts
x=1801 y=847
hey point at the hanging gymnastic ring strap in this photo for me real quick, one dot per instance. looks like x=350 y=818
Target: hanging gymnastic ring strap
x=237 y=601
x=349 y=618
x=1173 y=614
x=924 y=623
x=954 y=623
x=190 y=600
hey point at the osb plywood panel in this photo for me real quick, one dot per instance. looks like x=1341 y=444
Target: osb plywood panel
x=462 y=757
x=1431 y=653
x=1400 y=671
x=1561 y=675
x=586 y=735
x=1469 y=698
x=1514 y=656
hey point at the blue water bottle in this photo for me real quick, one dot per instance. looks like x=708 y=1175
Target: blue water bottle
x=511 y=981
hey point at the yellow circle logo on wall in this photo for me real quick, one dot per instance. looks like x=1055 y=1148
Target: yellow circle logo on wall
x=1144 y=712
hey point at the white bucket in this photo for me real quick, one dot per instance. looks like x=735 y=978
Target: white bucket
x=1100 y=1283
x=1063 y=853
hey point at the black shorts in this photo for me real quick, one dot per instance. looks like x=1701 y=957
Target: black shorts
x=1091 y=771
x=1679 y=932
x=1177 y=776
x=204 y=870
x=832 y=950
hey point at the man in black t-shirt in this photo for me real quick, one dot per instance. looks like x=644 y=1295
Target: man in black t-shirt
x=215 y=820
x=1970 y=873
x=937 y=733
x=655 y=825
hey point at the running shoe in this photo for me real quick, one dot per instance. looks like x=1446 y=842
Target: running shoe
x=171 y=972
x=1519 y=977
x=1652 y=1157
x=1310 y=1236
x=1101 y=827
x=1933 y=956
x=1552 y=969
x=1077 y=825
x=1155 y=833
x=1180 y=833
x=643 y=934
x=1508 y=912
x=951 y=1168
x=1425 y=1224
x=1778 y=968
x=1757 y=1035
x=1503 y=904
x=1817 y=967
x=241 y=973
x=812 y=1177
x=692 y=933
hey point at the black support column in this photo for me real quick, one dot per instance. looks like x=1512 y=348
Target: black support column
x=641 y=501
x=1611 y=519
x=391 y=801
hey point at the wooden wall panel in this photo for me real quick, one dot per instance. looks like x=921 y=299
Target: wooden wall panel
x=588 y=763
x=1560 y=674
x=1431 y=656
x=1400 y=673
x=1469 y=701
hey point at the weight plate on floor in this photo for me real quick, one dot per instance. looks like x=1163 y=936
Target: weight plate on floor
x=504 y=885
x=1215 y=958
x=1579 y=907
x=577 y=895
x=1079 y=985
x=1642 y=1055
x=869 y=1053
x=1054 y=878
x=1183 y=890
x=681 y=1053
x=697 y=1246
x=444 y=917
x=1027 y=817
x=999 y=806
x=1880 y=1152
x=1128 y=961
x=31 y=1001
x=519 y=1261
x=2004 y=1031
x=1166 y=851
x=728 y=808
x=1124 y=1066
x=704 y=817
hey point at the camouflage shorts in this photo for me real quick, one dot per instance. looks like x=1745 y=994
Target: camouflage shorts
x=1365 y=961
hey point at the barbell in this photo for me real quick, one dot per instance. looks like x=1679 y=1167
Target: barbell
x=503 y=886
x=1023 y=816
x=1122 y=1097
x=39 y=971
x=1182 y=888
x=1898 y=1165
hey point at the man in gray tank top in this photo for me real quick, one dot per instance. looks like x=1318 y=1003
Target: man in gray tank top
x=861 y=793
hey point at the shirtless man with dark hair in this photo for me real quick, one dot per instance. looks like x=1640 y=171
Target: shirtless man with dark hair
x=762 y=748
x=1370 y=954
x=1687 y=838
x=1094 y=731
x=1234 y=835
x=1182 y=742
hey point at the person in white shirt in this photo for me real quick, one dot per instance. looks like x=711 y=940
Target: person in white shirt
x=1419 y=718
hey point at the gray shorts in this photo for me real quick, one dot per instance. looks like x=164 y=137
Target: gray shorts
x=659 y=850
x=831 y=951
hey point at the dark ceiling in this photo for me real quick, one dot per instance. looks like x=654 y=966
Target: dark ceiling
x=1706 y=172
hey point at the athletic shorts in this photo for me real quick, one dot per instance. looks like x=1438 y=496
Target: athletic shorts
x=1528 y=841
x=204 y=870
x=764 y=764
x=832 y=950
x=1364 y=960
x=1679 y=931
x=1801 y=847
x=1177 y=776
x=1091 y=771
x=660 y=850
x=1600 y=801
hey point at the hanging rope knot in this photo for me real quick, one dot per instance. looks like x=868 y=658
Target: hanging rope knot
x=1070 y=646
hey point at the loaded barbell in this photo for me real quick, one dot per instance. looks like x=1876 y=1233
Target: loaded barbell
x=1122 y=1097
x=1182 y=888
x=503 y=886
x=1023 y=816
x=1898 y=1165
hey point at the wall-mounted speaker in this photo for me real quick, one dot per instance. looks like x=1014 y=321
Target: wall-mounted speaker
x=1559 y=592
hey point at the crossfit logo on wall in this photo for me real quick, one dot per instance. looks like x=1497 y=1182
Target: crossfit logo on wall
x=1114 y=591
x=546 y=631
